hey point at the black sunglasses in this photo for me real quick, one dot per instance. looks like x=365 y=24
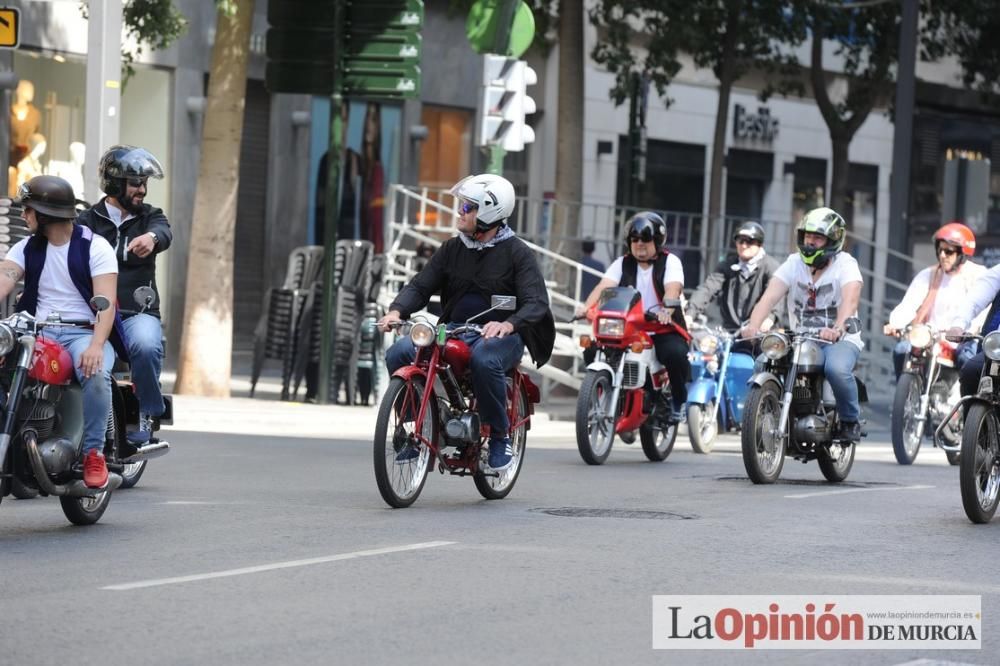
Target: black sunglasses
x=743 y=240
x=136 y=182
x=947 y=251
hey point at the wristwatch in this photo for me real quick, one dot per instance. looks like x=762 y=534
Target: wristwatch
x=156 y=241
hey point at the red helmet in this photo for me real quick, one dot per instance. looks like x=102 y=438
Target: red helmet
x=959 y=235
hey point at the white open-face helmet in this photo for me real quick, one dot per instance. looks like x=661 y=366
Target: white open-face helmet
x=492 y=195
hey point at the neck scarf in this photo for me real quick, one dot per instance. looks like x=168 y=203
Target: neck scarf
x=503 y=234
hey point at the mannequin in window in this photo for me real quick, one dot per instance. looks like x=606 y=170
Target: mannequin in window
x=373 y=177
x=25 y=120
x=31 y=165
x=350 y=171
x=71 y=171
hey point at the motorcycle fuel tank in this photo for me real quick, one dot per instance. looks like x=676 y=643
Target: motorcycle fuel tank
x=457 y=355
x=51 y=363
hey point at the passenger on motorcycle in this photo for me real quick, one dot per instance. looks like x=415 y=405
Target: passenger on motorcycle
x=657 y=275
x=64 y=266
x=738 y=282
x=937 y=293
x=138 y=232
x=823 y=286
x=983 y=297
x=485 y=259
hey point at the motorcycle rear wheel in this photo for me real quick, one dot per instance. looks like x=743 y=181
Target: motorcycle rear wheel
x=763 y=452
x=400 y=483
x=132 y=473
x=979 y=470
x=836 y=469
x=595 y=429
x=702 y=431
x=658 y=436
x=498 y=487
x=85 y=510
x=907 y=433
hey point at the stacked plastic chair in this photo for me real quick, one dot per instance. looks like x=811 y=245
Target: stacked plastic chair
x=13 y=228
x=277 y=332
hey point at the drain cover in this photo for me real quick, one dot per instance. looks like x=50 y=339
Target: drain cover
x=584 y=512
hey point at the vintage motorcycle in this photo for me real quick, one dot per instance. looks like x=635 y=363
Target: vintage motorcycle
x=718 y=392
x=979 y=466
x=791 y=409
x=125 y=405
x=626 y=389
x=925 y=393
x=429 y=405
x=42 y=407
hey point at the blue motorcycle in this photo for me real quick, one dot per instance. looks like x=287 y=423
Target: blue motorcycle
x=718 y=390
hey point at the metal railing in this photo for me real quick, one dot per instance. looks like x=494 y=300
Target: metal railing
x=426 y=216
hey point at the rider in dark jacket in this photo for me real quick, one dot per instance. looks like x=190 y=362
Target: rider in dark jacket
x=739 y=280
x=137 y=232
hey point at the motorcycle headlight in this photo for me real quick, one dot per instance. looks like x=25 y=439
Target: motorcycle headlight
x=774 y=345
x=610 y=327
x=708 y=344
x=7 y=339
x=919 y=336
x=422 y=334
x=991 y=346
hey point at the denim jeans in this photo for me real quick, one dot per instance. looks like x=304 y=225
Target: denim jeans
x=839 y=360
x=96 y=389
x=491 y=360
x=144 y=335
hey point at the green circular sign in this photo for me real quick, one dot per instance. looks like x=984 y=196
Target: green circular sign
x=481 y=27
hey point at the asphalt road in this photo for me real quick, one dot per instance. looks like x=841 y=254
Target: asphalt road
x=241 y=549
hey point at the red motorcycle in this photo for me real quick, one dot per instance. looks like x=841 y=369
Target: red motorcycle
x=429 y=406
x=613 y=396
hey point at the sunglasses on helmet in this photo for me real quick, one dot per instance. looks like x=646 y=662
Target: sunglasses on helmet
x=644 y=236
x=136 y=181
x=467 y=207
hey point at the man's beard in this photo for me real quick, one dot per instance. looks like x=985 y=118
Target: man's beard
x=130 y=205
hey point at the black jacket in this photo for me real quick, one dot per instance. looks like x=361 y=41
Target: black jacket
x=507 y=268
x=133 y=271
x=737 y=295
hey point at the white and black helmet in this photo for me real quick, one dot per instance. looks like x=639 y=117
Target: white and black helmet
x=492 y=195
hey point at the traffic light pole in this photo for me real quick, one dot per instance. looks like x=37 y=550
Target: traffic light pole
x=334 y=166
x=501 y=45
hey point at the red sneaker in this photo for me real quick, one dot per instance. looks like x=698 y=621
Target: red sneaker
x=95 y=471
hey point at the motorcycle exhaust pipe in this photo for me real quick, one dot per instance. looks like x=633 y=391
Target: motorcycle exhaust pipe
x=148 y=452
x=76 y=488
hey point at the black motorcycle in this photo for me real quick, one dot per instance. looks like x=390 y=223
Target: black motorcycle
x=791 y=409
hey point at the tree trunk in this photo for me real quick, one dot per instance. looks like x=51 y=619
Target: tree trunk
x=726 y=73
x=205 y=362
x=839 y=199
x=569 y=140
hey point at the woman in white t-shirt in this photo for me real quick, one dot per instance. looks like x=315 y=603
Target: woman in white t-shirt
x=645 y=234
x=824 y=287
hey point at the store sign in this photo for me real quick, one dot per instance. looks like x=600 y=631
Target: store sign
x=10 y=25
x=755 y=127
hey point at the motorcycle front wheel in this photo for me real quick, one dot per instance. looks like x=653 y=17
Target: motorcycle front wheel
x=85 y=510
x=763 y=447
x=907 y=432
x=979 y=469
x=701 y=429
x=595 y=418
x=498 y=487
x=656 y=434
x=400 y=476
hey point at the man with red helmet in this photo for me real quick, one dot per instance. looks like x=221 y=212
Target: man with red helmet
x=937 y=293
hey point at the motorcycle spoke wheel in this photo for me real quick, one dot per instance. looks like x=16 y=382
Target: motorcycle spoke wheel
x=762 y=445
x=132 y=473
x=85 y=510
x=836 y=460
x=979 y=467
x=595 y=419
x=702 y=430
x=499 y=486
x=400 y=481
x=656 y=434
x=907 y=431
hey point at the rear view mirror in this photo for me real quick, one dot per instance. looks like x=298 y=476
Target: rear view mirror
x=503 y=303
x=100 y=303
x=144 y=296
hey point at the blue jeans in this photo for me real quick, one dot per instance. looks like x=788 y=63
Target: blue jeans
x=144 y=335
x=96 y=389
x=491 y=360
x=839 y=360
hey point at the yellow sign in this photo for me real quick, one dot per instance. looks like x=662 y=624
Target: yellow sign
x=10 y=24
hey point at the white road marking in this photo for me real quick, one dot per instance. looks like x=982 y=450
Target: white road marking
x=189 y=502
x=844 y=491
x=157 y=582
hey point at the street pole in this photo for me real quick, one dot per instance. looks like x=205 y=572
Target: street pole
x=902 y=140
x=501 y=44
x=103 y=99
x=334 y=159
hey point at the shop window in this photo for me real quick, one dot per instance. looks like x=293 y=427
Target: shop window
x=444 y=155
x=810 y=187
